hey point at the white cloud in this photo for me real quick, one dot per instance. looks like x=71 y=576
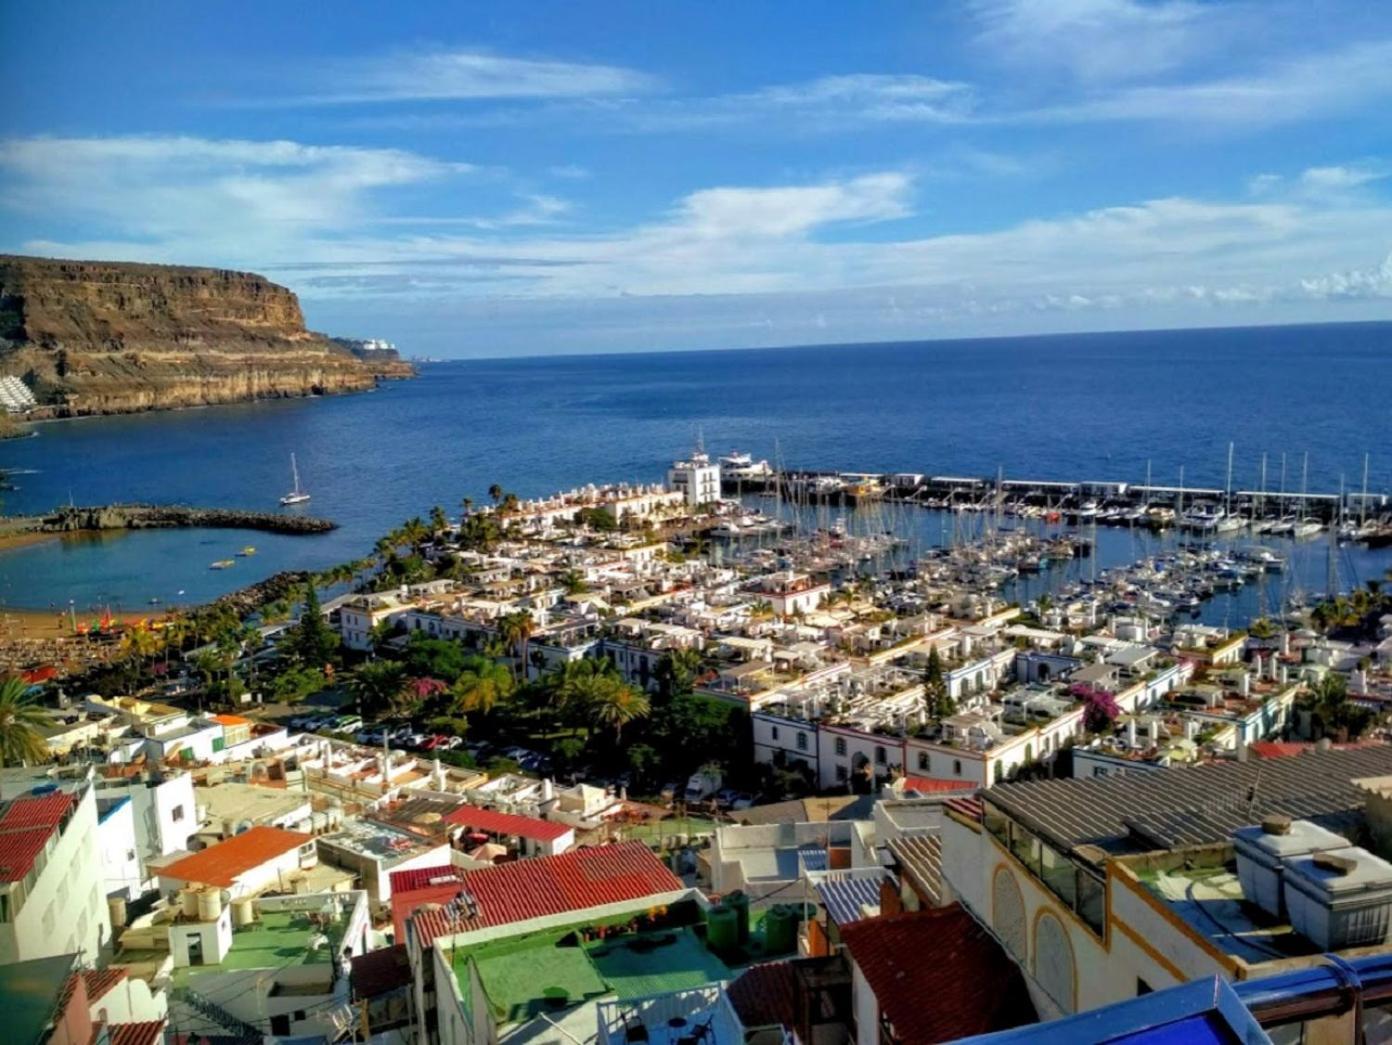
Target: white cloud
x=311 y=217
x=1292 y=90
x=1097 y=40
x=1341 y=177
x=470 y=75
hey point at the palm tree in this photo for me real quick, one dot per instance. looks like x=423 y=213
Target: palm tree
x=515 y=629
x=495 y=493
x=617 y=704
x=483 y=686
x=438 y=522
x=20 y=720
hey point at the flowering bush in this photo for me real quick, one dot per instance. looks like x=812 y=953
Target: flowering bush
x=1100 y=708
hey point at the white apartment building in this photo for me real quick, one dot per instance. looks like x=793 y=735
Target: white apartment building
x=52 y=895
x=697 y=479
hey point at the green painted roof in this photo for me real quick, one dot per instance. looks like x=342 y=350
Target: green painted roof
x=29 y=995
x=655 y=963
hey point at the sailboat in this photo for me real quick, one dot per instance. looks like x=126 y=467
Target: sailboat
x=295 y=496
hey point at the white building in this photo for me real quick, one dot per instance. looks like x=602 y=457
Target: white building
x=245 y=864
x=52 y=895
x=697 y=479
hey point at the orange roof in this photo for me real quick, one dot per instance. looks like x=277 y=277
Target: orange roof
x=223 y=863
x=232 y=720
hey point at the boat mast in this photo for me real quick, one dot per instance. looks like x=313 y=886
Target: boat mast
x=1262 y=499
x=1363 y=504
x=1227 y=489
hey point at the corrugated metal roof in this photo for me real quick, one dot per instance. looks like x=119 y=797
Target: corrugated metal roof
x=571 y=882
x=921 y=858
x=1192 y=805
x=510 y=824
x=844 y=897
x=223 y=863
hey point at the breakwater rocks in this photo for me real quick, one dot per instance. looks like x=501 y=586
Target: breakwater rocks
x=153 y=516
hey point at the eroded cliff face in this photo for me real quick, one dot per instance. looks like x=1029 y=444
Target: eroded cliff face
x=110 y=337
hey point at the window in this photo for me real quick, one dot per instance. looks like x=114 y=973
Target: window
x=773 y=732
x=924 y=763
x=1142 y=987
x=802 y=741
x=880 y=757
x=177 y=813
x=840 y=745
x=842 y=773
x=956 y=767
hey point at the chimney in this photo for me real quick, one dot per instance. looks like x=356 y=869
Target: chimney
x=1131 y=734
x=1284 y=676
x=1285 y=643
x=1244 y=684
x=890 y=901
x=1191 y=729
x=1257 y=665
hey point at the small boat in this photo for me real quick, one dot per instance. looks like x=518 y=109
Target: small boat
x=296 y=495
x=223 y=564
x=248 y=550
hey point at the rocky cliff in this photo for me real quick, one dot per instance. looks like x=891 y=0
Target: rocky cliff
x=94 y=337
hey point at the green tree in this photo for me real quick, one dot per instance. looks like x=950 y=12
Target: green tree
x=298 y=683
x=677 y=672
x=434 y=658
x=936 y=698
x=495 y=493
x=515 y=629
x=483 y=686
x=311 y=641
x=616 y=704
x=376 y=685
x=21 y=718
x=439 y=522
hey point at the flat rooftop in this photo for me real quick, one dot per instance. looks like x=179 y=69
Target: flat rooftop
x=276 y=940
x=1212 y=904
x=549 y=972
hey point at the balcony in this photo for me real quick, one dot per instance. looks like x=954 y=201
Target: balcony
x=702 y=1015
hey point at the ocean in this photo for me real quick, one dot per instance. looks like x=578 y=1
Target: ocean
x=1095 y=407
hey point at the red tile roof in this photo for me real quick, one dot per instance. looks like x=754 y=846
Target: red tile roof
x=508 y=824
x=223 y=863
x=927 y=786
x=99 y=981
x=1288 y=748
x=148 y=1033
x=36 y=810
x=766 y=995
x=551 y=885
x=938 y=975
x=415 y=878
x=25 y=826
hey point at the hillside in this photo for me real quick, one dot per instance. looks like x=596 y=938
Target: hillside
x=92 y=337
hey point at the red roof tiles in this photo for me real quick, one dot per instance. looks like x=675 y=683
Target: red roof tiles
x=148 y=1033
x=508 y=824
x=99 y=981
x=928 y=786
x=223 y=863
x=25 y=826
x=551 y=885
x=938 y=975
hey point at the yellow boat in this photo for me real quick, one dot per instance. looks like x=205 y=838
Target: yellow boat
x=248 y=550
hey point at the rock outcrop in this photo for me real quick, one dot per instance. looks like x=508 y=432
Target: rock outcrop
x=93 y=337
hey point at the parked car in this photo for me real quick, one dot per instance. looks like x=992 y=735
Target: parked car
x=452 y=743
x=743 y=800
x=415 y=740
x=726 y=797
x=346 y=723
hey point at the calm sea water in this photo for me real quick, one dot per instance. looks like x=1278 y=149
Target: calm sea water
x=1069 y=407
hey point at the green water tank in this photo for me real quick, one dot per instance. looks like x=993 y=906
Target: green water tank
x=739 y=903
x=722 y=929
x=780 y=930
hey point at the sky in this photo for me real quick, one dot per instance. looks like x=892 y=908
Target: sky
x=475 y=179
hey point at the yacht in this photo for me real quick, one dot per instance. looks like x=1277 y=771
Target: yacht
x=1307 y=528
x=740 y=465
x=296 y=495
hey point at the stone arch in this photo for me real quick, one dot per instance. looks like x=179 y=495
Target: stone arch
x=1008 y=913
x=1055 y=969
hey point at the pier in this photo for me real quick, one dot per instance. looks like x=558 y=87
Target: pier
x=1066 y=497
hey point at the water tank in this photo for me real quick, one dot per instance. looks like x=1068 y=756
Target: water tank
x=188 y=899
x=243 y=912
x=209 y=904
x=1262 y=850
x=1340 y=898
x=739 y=903
x=780 y=930
x=116 y=905
x=722 y=929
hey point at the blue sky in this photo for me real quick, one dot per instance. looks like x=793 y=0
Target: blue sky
x=492 y=179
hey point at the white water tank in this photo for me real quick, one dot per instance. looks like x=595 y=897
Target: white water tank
x=1262 y=850
x=1340 y=898
x=209 y=904
x=116 y=907
x=243 y=912
x=188 y=899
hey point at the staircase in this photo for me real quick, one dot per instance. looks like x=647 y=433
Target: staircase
x=241 y=1032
